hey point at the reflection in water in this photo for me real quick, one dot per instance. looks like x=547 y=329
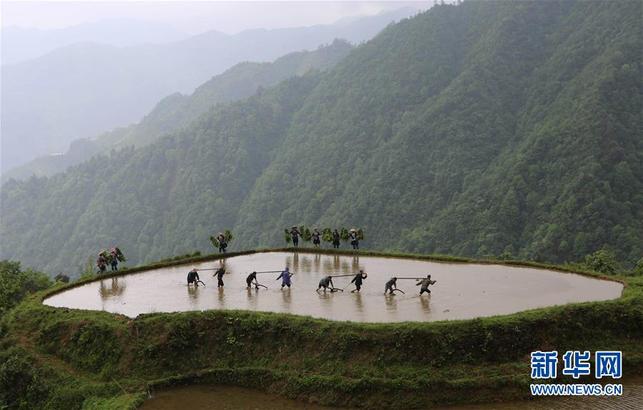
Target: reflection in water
x=355 y=264
x=115 y=289
x=359 y=305
x=424 y=303
x=285 y=295
x=201 y=397
x=390 y=301
x=457 y=294
x=193 y=295
x=305 y=264
x=221 y=297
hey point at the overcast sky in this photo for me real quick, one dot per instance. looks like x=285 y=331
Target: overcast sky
x=193 y=17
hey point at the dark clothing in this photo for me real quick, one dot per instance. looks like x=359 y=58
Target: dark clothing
x=193 y=277
x=220 y=272
x=390 y=285
x=222 y=243
x=358 y=279
x=316 y=238
x=336 y=239
x=294 y=234
x=326 y=282
x=252 y=277
x=354 y=241
x=114 y=264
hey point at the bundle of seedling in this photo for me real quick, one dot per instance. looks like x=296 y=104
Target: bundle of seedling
x=305 y=233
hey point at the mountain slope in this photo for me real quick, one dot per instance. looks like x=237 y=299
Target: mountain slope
x=476 y=129
x=177 y=110
x=85 y=89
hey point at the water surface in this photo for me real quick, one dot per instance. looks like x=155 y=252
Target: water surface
x=202 y=397
x=462 y=291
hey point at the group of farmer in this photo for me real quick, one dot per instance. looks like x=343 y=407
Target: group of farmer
x=111 y=258
x=334 y=236
x=326 y=283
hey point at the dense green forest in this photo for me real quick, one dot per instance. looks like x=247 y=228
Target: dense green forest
x=488 y=128
x=178 y=110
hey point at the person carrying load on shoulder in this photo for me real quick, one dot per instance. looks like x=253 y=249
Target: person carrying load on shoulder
x=101 y=262
x=336 y=239
x=193 y=277
x=391 y=286
x=326 y=282
x=113 y=259
x=223 y=244
x=294 y=235
x=425 y=284
x=316 y=236
x=285 y=277
x=252 y=278
x=358 y=279
x=354 y=239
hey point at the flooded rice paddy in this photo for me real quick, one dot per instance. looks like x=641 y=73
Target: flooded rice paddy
x=201 y=397
x=462 y=291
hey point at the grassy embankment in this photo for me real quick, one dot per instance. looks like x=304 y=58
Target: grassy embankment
x=109 y=361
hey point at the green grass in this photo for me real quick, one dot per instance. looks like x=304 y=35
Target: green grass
x=400 y=365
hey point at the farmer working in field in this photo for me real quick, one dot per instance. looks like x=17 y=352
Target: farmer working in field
x=358 y=279
x=390 y=286
x=326 y=282
x=285 y=277
x=219 y=274
x=193 y=277
x=425 y=284
x=252 y=278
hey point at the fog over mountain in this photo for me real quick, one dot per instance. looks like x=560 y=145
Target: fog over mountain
x=84 y=89
x=20 y=44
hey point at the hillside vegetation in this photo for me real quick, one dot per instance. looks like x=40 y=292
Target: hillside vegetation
x=54 y=358
x=84 y=89
x=179 y=110
x=486 y=128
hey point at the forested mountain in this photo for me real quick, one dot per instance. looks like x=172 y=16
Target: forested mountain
x=477 y=129
x=85 y=89
x=178 y=110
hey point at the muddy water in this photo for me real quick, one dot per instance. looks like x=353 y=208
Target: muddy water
x=203 y=397
x=462 y=291
x=200 y=397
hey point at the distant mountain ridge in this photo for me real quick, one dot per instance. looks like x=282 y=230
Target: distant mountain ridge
x=82 y=90
x=491 y=128
x=178 y=110
x=20 y=44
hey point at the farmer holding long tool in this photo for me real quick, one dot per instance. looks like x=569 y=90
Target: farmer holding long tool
x=425 y=282
x=193 y=277
x=326 y=282
x=285 y=277
x=219 y=274
x=252 y=278
x=391 y=286
x=358 y=279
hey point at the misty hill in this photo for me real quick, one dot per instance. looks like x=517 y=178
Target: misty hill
x=20 y=44
x=478 y=129
x=178 y=110
x=85 y=89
